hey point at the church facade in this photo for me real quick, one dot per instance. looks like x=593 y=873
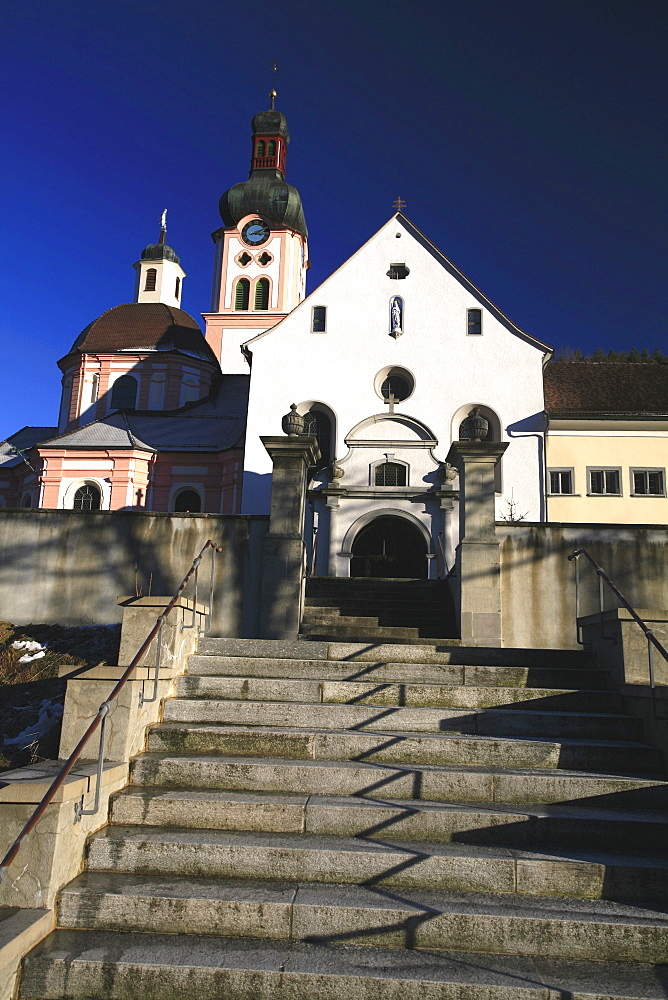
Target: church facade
x=385 y=363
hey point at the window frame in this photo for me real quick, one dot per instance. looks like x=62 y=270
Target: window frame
x=245 y=284
x=151 y=279
x=561 y=470
x=262 y=283
x=604 y=468
x=646 y=470
x=180 y=488
x=473 y=309
x=324 y=327
x=391 y=460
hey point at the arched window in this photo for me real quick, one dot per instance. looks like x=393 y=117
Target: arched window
x=87 y=497
x=151 y=275
x=187 y=502
x=242 y=294
x=317 y=424
x=177 y=290
x=124 y=393
x=27 y=500
x=390 y=474
x=262 y=294
x=271 y=148
x=94 y=388
x=260 y=148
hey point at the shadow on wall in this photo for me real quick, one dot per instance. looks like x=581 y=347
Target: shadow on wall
x=534 y=426
x=69 y=567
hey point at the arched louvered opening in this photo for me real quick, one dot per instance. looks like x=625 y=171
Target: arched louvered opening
x=124 y=393
x=390 y=474
x=151 y=276
x=187 y=502
x=242 y=294
x=260 y=148
x=271 y=148
x=177 y=290
x=87 y=497
x=317 y=424
x=262 y=294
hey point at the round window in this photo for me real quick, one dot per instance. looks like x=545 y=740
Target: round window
x=394 y=384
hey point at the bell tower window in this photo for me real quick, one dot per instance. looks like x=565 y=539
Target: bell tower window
x=242 y=294
x=151 y=276
x=177 y=290
x=271 y=148
x=260 y=148
x=262 y=294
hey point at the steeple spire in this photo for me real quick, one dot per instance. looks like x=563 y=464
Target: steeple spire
x=272 y=92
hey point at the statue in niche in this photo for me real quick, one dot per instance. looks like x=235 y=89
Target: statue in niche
x=396 y=316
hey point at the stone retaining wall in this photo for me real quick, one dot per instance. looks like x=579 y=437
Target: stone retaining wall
x=69 y=567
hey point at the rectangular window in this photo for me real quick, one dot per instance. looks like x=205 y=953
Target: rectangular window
x=647 y=483
x=473 y=322
x=561 y=481
x=605 y=482
x=319 y=319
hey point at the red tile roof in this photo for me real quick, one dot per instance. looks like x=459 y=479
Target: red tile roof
x=143 y=325
x=591 y=388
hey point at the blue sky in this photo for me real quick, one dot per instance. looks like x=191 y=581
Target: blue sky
x=527 y=138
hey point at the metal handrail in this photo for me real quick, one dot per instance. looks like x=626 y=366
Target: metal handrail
x=101 y=716
x=652 y=641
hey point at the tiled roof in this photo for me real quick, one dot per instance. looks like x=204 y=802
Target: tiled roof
x=216 y=424
x=22 y=440
x=138 y=326
x=590 y=388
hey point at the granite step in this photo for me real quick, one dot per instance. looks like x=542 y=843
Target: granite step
x=571 y=872
x=387 y=746
x=421 y=782
x=258 y=688
x=120 y=966
x=394 y=670
x=459 y=822
x=370 y=717
x=601 y=930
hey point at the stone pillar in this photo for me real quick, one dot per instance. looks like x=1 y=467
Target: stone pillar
x=283 y=564
x=478 y=551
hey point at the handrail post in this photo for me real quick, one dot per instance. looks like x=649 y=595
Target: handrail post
x=158 y=657
x=79 y=810
x=194 y=617
x=209 y=623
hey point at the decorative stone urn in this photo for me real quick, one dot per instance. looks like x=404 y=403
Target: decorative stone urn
x=474 y=427
x=293 y=422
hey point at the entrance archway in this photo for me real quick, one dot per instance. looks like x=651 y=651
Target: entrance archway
x=389 y=547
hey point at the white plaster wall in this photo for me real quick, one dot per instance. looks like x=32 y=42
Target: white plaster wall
x=499 y=369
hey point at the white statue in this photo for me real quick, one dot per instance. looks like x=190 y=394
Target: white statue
x=163 y=221
x=396 y=310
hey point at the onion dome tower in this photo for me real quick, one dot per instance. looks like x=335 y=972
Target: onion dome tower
x=159 y=272
x=261 y=248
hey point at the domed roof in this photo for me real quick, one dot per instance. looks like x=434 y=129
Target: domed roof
x=275 y=199
x=271 y=123
x=143 y=326
x=160 y=251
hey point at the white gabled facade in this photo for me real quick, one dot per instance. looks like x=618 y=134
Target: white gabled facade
x=445 y=369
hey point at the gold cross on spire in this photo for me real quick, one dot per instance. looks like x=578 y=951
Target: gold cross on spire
x=399 y=204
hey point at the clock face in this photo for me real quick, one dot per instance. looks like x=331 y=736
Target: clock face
x=255 y=233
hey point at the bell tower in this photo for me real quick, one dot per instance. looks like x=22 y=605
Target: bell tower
x=261 y=248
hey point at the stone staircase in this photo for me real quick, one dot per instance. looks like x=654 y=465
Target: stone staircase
x=375 y=820
x=405 y=611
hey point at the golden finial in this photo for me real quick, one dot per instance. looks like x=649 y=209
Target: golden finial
x=399 y=204
x=272 y=92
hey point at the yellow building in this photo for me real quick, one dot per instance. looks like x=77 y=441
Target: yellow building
x=606 y=442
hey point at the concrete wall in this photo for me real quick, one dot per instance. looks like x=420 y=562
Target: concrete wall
x=69 y=567
x=538 y=581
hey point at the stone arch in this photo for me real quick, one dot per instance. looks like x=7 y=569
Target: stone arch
x=371 y=515
x=328 y=446
x=391 y=544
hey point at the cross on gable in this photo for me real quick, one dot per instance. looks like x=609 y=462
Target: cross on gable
x=391 y=400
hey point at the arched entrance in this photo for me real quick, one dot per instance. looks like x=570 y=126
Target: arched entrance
x=389 y=547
